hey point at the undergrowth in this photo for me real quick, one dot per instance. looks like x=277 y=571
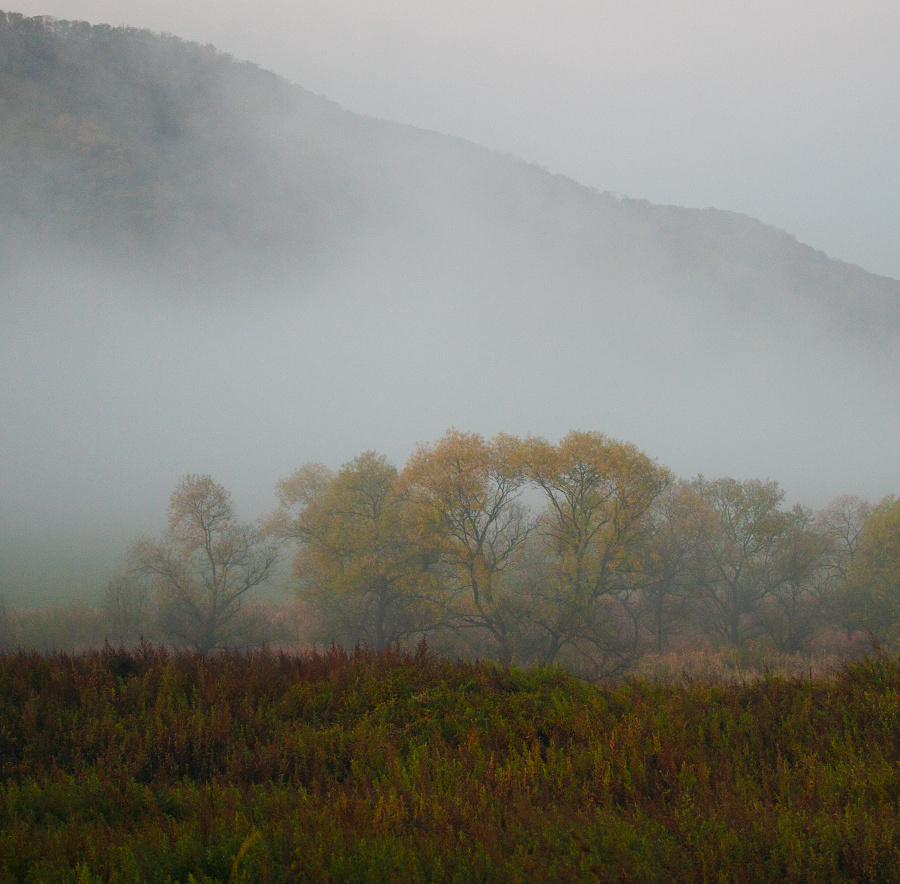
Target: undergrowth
x=395 y=766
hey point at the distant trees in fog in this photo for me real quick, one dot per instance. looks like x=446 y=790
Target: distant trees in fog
x=586 y=553
x=203 y=568
x=872 y=592
x=357 y=563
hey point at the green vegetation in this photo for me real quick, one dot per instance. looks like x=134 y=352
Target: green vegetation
x=399 y=766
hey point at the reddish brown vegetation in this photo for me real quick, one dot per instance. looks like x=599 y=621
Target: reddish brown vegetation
x=392 y=766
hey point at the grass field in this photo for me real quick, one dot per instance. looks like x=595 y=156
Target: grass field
x=357 y=766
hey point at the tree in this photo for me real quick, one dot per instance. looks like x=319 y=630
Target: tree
x=6 y=628
x=746 y=536
x=795 y=610
x=598 y=491
x=205 y=566
x=669 y=549
x=295 y=494
x=127 y=607
x=465 y=496
x=355 y=564
x=841 y=525
x=874 y=574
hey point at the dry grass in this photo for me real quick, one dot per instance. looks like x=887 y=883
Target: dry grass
x=701 y=661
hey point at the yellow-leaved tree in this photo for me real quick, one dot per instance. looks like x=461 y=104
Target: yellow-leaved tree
x=873 y=585
x=841 y=525
x=465 y=493
x=205 y=566
x=358 y=573
x=597 y=492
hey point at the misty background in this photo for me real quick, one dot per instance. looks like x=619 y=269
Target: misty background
x=362 y=285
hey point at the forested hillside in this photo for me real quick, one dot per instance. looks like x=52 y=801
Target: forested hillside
x=146 y=147
x=149 y=149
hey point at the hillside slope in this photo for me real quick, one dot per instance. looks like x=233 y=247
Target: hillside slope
x=140 y=147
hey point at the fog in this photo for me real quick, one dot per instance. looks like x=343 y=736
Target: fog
x=448 y=308
x=786 y=112
x=109 y=396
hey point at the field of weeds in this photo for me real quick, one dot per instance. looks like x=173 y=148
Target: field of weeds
x=357 y=766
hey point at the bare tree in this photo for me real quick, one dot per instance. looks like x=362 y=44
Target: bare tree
x=205 y=566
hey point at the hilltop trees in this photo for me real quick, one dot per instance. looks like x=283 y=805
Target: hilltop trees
x=205 y=565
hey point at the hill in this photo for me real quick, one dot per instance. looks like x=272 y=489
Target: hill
x=141 y=147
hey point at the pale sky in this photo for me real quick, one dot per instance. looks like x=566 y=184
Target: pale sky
x=788 y=111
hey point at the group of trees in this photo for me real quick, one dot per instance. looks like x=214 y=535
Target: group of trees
x=586 y=553
x=451 y=547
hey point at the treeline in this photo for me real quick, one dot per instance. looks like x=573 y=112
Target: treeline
x=586 y=554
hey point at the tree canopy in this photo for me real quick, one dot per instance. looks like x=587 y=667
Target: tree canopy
x=205 y=565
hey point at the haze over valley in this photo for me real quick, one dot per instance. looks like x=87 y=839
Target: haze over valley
x=207 y=269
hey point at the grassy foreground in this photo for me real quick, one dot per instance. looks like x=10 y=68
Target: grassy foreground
x=151 y=766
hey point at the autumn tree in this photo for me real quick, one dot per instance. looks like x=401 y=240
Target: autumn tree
x=668 y=552
x=205 y=566
x=746 y=551
x=127 y=607
x=355 y=565
x=465 y=492
x=874 y=572
x=795 y=610
x=841 y=525
x=597 y=492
